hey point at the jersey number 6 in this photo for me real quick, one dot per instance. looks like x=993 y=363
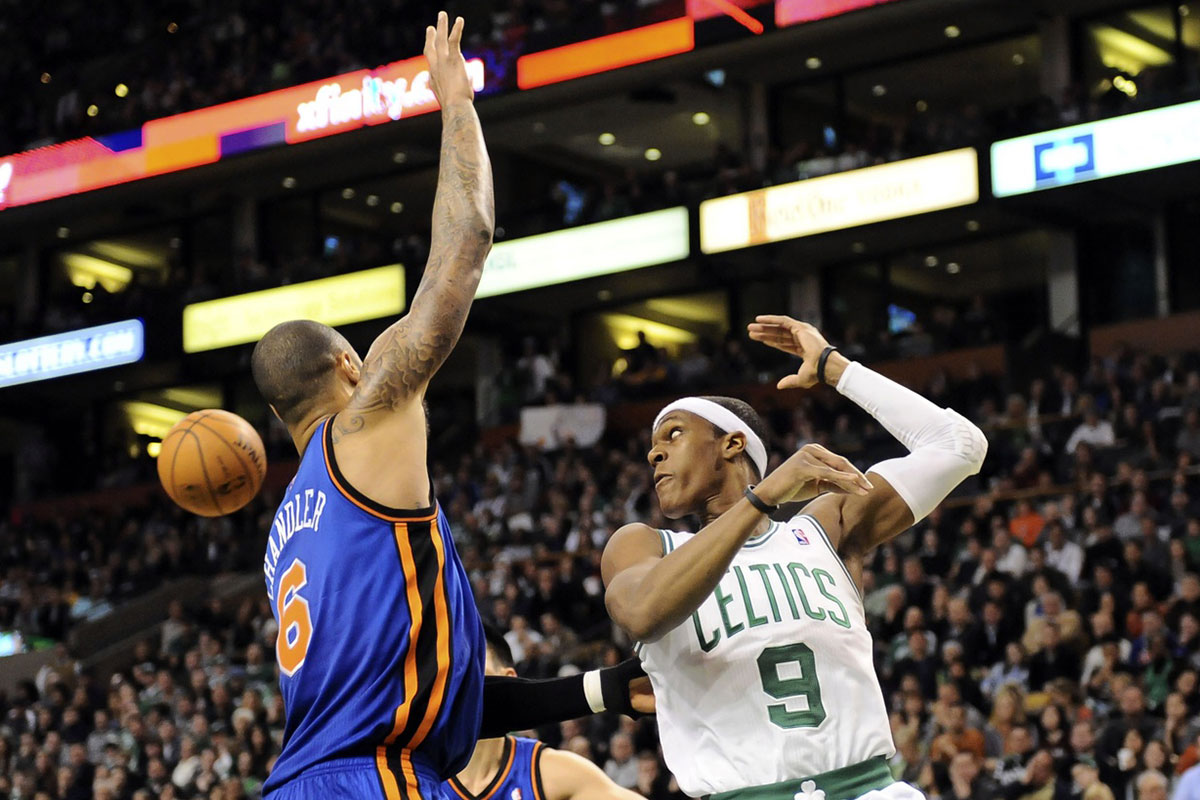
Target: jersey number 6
x=295 y=624
x=804 y=685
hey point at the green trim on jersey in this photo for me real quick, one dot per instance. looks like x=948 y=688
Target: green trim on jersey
x=837 y=557
x=762 y=539
x=846 y=783
x=668 y=544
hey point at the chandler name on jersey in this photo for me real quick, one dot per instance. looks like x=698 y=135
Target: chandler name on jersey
x=772 y=679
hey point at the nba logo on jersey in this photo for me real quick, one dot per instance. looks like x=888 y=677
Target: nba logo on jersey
x=800 y=537
x=516 y=794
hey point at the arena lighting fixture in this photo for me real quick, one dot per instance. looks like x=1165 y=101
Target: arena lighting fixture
x=86 y=271
x=339 y=300
x=931 y=261
x=121 y=90
x=624 y=330
x=153 y=449
x=1018 y=59
x=397 y=207
x=72 y=352
x=973 y=225
x=605 y=53
x=86 y=298
x=93 y=110
x=952 y=32
x=701 y=118
x=879 y=90
x=63 y=232
x=399 y=157
x=289 y=182
x=953 y=268
x=45 y=77
x=151 y=419
x=1123 y=145
x=607 y=139
x=813 y=63
x=347 y=193
x=842 y=201
x=372 y=200
x=172 y=27
x=922 y=106
x=653 y=154
x=588 y=251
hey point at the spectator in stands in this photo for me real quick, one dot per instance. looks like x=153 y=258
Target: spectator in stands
x=1094 y=430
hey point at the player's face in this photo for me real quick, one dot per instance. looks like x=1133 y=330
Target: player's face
x=686 y=459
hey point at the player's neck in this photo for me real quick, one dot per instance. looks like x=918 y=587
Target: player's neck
x=483 y=766
x=732 y=490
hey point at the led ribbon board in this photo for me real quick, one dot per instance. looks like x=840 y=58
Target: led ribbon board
x=340 y=300
x=170 y=144
x=71 y=353
x=794 y=12
x=603 y=248
x=835 y=202
x=1137 y=142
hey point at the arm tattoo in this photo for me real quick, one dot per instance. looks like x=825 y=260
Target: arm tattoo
x=406 y=356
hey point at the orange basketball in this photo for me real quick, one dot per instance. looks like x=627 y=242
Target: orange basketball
x=212 y=462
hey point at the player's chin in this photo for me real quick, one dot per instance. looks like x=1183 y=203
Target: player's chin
x=672 y=507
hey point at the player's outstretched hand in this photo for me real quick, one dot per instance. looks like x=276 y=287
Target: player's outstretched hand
x=447 y=67
x=794 y=338
x=810 y=471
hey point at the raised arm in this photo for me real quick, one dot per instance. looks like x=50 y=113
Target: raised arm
x=405 y=357
x=649 y=593
x=944 y=447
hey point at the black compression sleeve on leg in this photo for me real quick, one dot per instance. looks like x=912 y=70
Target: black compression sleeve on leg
x=515 y=704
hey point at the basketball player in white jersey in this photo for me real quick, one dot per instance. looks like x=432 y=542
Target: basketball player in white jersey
x=752 y=631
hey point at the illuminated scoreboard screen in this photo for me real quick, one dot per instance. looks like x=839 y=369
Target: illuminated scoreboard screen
x=365 y=97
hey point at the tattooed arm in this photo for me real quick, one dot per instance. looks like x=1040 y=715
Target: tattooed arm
x=405 y=357
x=387 y=462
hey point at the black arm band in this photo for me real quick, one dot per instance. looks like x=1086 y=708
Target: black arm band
x=759 y=503
x=517 y=704
x=821 y=363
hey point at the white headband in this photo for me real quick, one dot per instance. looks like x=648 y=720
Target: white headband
x=724 y=419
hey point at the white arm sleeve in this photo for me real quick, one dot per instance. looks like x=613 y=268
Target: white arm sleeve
x=944 y=447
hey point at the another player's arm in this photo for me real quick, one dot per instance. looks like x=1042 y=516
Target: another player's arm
x=566 y=776
x=404 y=358
x=944 y=447
x=649 y=593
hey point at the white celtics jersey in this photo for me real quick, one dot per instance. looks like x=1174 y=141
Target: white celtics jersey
x=772 y=677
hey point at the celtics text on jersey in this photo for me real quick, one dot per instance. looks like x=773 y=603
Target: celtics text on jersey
x=772 y=678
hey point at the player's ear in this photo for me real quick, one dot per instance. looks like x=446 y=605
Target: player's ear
x=349 y=367
x=273 y=411
x=509 y=672
x=734 y=445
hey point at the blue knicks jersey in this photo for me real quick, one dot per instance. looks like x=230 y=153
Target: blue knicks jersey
x=519 y=778
x=380 y=646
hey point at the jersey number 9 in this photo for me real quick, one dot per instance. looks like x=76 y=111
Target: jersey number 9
x=295 y=624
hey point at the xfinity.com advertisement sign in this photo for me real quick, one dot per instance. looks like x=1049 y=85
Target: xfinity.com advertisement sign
x=1119 y=146
x=70 y=353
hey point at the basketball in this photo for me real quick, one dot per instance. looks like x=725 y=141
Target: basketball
x=212 y=462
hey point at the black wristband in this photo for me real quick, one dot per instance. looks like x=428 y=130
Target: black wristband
x=821 y=363
x=759 y=503
x=614 y=685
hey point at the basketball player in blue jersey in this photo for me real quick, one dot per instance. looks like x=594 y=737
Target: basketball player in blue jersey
x=514 y=768
x=380 y=648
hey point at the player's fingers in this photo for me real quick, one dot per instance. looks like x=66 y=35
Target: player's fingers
x=443 y=31
x=842 y=465
x=848 y=482
x=430 y=38
x=776 y=319
x=456 y=34
x=790 y=382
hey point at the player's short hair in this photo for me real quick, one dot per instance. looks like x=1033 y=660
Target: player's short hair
x=292 y=365
x=497 y=645
x=746 y=413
